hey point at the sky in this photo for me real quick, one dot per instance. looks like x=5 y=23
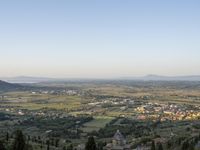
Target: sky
x=99 y=38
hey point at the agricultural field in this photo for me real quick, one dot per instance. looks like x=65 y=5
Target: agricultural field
x=97 y=123
x=69 y=112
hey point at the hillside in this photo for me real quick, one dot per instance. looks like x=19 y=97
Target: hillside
x=166 y=78
x=5 y=86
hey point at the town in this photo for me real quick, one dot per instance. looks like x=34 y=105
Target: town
x=69 y=115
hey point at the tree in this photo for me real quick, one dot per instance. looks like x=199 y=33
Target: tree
x=90 y=145
x=19 y=141
x=153 y=146
x=185 y=145
x=191 y=147
x=7 y=136
x=2 y=146
x=160 y=147
x=28 y=137
x=41 y=146
x=70 y=147
x=48 y=145
x=100 y=145
x=52 y=141
x=28 y=147
x=56 y=142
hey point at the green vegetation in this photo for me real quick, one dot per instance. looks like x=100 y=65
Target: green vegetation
x=61 y=116
x=90 y=145
x=97 y=123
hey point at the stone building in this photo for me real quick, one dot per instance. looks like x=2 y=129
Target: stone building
x=118 y=143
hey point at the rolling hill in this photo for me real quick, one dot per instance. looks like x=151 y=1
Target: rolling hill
x=166 y=78
x=5 y=86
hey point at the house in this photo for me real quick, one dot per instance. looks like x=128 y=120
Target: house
x=118 y=143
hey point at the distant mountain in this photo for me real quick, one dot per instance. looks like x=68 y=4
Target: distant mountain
x=26 y=79
x=5 y=86
x=167 y=78
x=173 y=78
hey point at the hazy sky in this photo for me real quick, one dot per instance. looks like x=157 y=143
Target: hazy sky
x=99 y=38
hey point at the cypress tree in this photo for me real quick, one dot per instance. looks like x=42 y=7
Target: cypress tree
x=56 y=142
x=153 y=147
x=70 y=147
x=185 y=145
x=48 y=145
x=2 y=146
x=19 y=141
x=100 y=145
x=7 y=136
x=90 y=145
x=160 y=147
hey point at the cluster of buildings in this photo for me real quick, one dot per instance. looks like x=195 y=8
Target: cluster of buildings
x=57 y=92
x=113 y=101
x=118 y=143
x=168 y=111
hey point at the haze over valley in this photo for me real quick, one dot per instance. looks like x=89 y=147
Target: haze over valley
x=99 y=75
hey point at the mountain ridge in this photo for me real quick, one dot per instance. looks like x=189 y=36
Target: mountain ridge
x=5 y=86
x=150 y=77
